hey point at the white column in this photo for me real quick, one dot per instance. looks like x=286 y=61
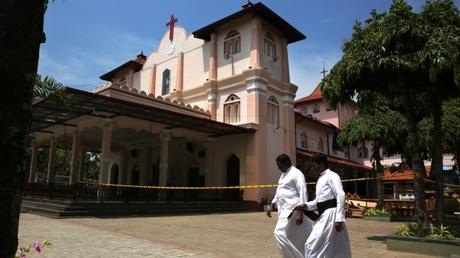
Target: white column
x=105 y=152
x=51 y=157
x=33 y=163
x=75 y=161
x=165 y=137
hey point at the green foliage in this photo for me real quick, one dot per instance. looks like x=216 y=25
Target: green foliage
x=436 y=233
x=450 y=128
x=399 y=50
x=411 y=230
x=377 y=212
x=62 y=165
x=381 y=125
x=441 y=233
x=49 y=88
x=404 y=231
x=92 y=165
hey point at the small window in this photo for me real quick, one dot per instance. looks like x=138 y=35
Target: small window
x=320 y=144
x=304 y=140
x=232 y=44
x=232 y=109
x=316 y=108
x=166 y=82
x=270 y=47
x=328 y=107
x=363 y=152
x=273 y=112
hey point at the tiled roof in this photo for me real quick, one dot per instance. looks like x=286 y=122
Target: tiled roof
x=404 y=173
x=315 y=95
x=313 y=119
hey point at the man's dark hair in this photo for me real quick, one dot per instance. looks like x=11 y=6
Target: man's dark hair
x=319 y=158
x=284 y=159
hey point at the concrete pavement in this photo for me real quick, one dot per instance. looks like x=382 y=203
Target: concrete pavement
x=211 y=235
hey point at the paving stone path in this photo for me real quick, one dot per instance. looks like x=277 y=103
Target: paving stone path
x=212 y=235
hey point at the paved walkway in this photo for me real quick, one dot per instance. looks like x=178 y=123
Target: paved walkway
x=216 y=235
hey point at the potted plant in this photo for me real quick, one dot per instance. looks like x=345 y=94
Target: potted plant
x=378 y=214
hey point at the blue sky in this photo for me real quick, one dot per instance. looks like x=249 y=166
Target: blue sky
x=87 y=38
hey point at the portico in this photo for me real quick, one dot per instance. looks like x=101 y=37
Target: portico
x=158 y=143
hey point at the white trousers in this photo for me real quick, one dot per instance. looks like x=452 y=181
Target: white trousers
x=290 y=238
x=325 y=242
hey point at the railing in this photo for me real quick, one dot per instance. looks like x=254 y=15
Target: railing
x=400 y=208
x=93 y=192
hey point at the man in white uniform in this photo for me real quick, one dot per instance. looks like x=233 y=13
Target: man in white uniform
x=290 y=233
x=329 y=238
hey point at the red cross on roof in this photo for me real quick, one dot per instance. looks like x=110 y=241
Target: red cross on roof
x=171 y=27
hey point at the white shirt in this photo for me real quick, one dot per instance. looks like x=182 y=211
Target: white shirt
x=329 y=187
x=291 y=191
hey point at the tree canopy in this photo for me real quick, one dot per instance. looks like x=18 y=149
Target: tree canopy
x=413 y=59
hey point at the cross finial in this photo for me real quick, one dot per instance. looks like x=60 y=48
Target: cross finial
x=171 y=22
x=324 y=71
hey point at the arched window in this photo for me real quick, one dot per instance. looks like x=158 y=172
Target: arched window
x=273 y=111
x=166 y=82
x=363 y=152
x=232 y=109
x=316 y=108
x=320 y=144
x=270 y=46
x=304 y=140
x=232 y=44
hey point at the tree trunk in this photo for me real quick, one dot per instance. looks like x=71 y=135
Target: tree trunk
x=417 y=161
x=436 y=161
x=379 y=172
x=21 y=33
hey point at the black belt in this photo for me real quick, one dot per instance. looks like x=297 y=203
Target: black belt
x=321 y=206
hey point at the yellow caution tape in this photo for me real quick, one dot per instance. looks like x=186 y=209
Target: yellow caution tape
x=208 y=187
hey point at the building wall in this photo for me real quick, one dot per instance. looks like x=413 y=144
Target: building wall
x=313 y=131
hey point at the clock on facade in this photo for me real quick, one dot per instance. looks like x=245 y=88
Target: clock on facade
x=170 y=49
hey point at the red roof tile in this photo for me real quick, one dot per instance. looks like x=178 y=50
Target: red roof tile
x=315 y=95
x=405 y=173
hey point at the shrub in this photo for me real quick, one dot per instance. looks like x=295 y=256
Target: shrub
x=435 y=233
x=377 y=212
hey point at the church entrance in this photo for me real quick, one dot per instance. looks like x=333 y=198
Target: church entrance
x=135 y=175
x=114 y=173
x=233 y=178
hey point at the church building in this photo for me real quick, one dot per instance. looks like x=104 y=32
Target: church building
x=214 y=107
